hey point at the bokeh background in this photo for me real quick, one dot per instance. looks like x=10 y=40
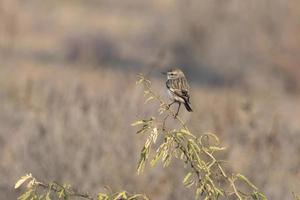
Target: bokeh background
x=68 y=93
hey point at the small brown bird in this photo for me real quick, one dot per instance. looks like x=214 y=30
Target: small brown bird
x=178 y=89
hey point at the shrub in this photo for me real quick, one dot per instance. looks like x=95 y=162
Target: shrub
x=206 y=173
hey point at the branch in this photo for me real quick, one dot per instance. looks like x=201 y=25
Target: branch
x=163 y=105
x=198 y=154
x=69 y=192
x=65 y=192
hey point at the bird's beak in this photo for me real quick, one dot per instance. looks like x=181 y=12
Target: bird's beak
x=164 y=73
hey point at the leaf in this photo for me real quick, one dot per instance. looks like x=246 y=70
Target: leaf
x=180 y=138
x=31 y=183
x=143 y=158
x=215 y=137
x=154 y=134
x=222 y=170
x=26 y=195
x=167 y=160
x=140 y=79
x=148 y=142
x=61 y=194
x=219 y=191
x=149 y=99
x=141 y=166
x=121 y=195
x=22 y=180
x=186 y=132
x=215 y=148
x=258 y=196
x=144 y=129
x=189 y=184
x=199 y=191
x=136 y=196
x=48 y=196
x=138 y=123
x=158 y=155
x=182 y=156
x=186 y=178
x=255 y=196
x=161 y=110
x=102 y=196
x=242 y=177
x=194 y=145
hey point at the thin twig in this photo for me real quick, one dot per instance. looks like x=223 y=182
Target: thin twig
x=234 y=189
x=192 y=149
x=70 y=193
x=163 y=103
x=189 y=159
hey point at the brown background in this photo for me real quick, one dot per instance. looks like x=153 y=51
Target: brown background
x=68 y=94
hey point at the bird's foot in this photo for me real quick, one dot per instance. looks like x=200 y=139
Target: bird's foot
x=168 y=106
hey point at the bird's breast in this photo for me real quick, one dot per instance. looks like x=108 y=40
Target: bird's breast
x=170 y=94
x=175 y=97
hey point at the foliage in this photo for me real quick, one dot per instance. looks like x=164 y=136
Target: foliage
x=40 y=191
x=206 y=173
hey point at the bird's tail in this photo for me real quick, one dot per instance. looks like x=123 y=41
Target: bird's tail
x=188 y=107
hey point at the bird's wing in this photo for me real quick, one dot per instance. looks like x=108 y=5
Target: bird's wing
x=184 y=89
x=181 y=93
x=179 y=87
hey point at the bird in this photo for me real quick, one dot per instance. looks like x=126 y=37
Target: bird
x=178 y=89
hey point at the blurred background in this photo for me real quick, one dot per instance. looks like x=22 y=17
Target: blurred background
x=68 y=93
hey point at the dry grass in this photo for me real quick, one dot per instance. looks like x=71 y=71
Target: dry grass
x=74 y=126
x=64 y=116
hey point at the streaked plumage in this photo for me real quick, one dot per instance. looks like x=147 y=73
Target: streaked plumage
x=178 y=89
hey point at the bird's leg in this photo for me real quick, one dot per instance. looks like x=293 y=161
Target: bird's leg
x=164 y=123
x=171 y=104
x=179 y=104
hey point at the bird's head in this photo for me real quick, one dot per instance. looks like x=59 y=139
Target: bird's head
x=174 y=73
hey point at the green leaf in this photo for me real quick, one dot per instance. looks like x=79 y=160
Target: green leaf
x=182 y=156
x=215 y=148
x=31 y=183
x=136 y=196
x=189 y=184
x=186 y=178
x=144 y=156
x=48 y=196
x=102 y=196
x=166 y=160
x=186 y=132
x=154 y=134
x=222 y=170
x=26 y=195
x=121 y=195
x=138 y=123
x=219 y=191
x=199 y=191
x=159 y=152
x=242 y=177
x=195 y=146
x=144 y=129
x=22 y=180
x=62 y=193
x=258 y=196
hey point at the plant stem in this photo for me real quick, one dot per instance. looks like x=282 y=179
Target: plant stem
x=70 y=193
